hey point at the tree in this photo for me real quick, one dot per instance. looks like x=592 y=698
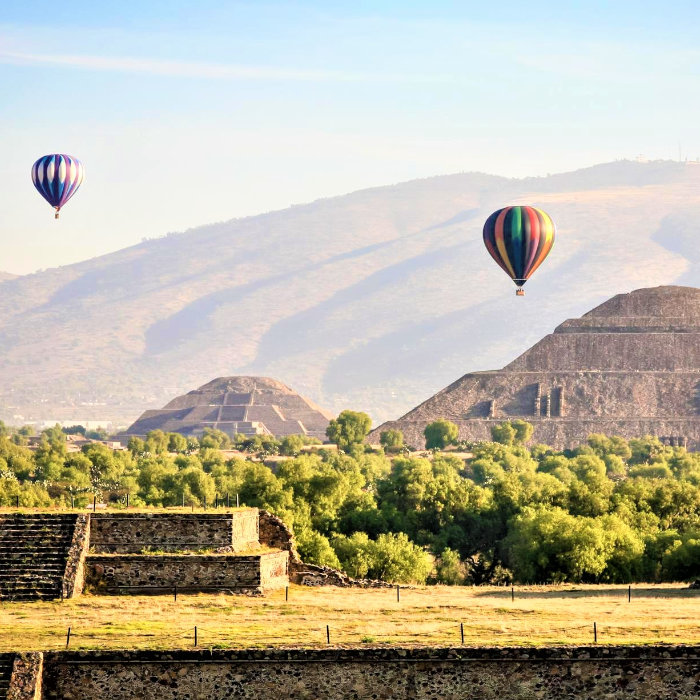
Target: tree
x=217 y=439
x=450 y=569
x=74 y=430
x=348 y=429
x=439 y=434
x=177 y=443
x=156 y=442
x=503 y=433
x=136 y=446
x=391 y=440
x=523 y=431
x=291 y=445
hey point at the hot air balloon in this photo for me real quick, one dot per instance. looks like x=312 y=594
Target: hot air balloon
x=519 y=239
x=57 y=178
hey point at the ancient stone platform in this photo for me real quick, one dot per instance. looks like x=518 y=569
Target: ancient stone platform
x=53 y=555
x=629 y=367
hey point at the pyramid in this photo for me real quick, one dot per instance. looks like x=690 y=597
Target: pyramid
x=237 y=405
x=629 y=367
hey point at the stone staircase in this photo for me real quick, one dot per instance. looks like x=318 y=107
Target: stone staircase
x=33 y=552
x=6 y=661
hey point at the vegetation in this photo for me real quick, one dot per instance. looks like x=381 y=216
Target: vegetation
x=440 y=434
x=611 y=510
x=423 y=616
x=348 y=429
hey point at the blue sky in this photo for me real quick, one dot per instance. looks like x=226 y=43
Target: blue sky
x=186 y=113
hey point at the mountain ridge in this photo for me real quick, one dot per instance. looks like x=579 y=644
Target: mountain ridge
x=369 y=300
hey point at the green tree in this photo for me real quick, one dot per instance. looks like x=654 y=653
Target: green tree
x=523 y=431
x=439 y=434
x=503 y=433
x=348 y=429
x=391 y=440
x=291 y=445
x=177 y=443
x=450 y=569
x=217 y=439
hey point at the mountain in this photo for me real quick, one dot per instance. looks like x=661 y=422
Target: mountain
x=371 y=301
x=6 y=276
x=629 y=367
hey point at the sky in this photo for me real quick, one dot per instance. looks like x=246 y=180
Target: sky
x=186 y=113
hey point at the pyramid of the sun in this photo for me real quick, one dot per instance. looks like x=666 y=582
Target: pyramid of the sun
x=237 y=405
x=629 y=367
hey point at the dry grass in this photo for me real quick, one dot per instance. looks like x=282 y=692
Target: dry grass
x=424 y=616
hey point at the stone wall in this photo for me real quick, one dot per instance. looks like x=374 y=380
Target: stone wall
x=136 y=532
x=632 y=673
x=26 y=678
x=74 y=575
x=158 y=573
x=274 y=533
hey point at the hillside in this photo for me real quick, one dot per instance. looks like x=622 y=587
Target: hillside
x=373 y=300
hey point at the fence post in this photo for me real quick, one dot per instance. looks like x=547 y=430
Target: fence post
x=94 y=504
x=512 y=592
x=183 y=499
x=127 y=499
x=328 y=634
x=629 y=594
x=461 y=630
x=398 y=593
x=237 y=504
x=68 y=638
x=595 y=633
x=195 y=635
x=175 y=592
x=286 y=592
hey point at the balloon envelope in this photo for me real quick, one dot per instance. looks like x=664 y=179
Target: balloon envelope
x=57 y=177
x=519 y=239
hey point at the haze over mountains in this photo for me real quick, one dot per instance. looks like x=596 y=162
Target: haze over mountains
x=371 y=301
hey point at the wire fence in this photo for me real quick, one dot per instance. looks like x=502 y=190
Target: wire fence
x=314 y=636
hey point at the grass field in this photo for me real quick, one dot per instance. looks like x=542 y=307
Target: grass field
x=424 y=616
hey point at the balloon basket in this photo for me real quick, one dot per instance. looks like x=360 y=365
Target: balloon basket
x=519 y=292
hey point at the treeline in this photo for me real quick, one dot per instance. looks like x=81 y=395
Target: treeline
x=611 y=510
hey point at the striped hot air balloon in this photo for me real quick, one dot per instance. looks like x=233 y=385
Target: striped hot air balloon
x=57 y=178
x=519 y=239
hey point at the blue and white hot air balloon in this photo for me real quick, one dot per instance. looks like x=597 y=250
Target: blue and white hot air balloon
x=57 y=178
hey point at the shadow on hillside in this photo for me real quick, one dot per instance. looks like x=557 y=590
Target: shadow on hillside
x=597 y=592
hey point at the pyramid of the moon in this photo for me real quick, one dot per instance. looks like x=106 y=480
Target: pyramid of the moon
x=237 y=405
x=629 y=367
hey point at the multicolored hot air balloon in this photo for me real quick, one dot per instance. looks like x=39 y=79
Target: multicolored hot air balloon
x=519 y=239
x=57 y=178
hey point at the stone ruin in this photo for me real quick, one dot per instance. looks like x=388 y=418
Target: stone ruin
x=237 y=405
x=629 y=367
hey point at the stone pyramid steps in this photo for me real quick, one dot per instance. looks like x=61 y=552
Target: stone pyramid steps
x=6 y=661
x=33 y=553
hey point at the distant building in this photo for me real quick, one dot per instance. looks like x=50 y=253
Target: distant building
x=236 y=405
x=629 y=367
